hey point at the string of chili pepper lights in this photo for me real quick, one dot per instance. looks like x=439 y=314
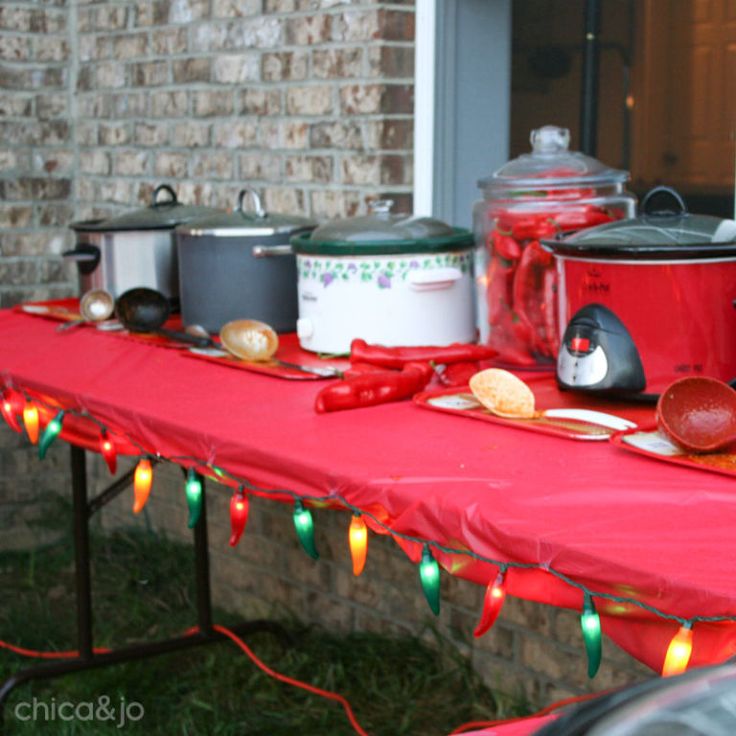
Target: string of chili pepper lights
x=16 y=403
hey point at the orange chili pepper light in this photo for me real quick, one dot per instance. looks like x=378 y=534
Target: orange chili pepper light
x=492 y=604
x=238 y=516
x=678 y=652
x=142 y=481
x=108 y=452
x=31 y=421
x=358 y=538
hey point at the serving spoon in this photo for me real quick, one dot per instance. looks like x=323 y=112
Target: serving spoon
x=96 y=305
x=146 y=310
x=254 y=341
x=698 y=414
x=507 y=396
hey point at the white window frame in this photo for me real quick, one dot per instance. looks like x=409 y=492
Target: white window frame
x=462 y=93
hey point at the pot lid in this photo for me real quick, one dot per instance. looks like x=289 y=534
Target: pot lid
x=663 y=229
x=382 y=232
x=244 y=223
x=159 y=215
x=550 y=165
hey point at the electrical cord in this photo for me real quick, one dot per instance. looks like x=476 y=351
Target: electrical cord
x=47 y=655
x=328 y=694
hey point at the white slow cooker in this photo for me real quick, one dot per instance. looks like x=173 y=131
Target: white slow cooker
x=388 y=279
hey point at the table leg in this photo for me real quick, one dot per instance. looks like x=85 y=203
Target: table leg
x=81 y=552
x=87 y=659
x=202 y=567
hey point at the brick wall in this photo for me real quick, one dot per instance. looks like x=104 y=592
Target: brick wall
x=36 y=149
x=309 y=101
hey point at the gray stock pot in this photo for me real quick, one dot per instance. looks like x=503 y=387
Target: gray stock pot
x=240 y=265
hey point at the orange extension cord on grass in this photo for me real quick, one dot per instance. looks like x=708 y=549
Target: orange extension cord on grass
x=329 y=695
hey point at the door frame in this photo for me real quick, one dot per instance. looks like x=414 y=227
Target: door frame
x=462 y=102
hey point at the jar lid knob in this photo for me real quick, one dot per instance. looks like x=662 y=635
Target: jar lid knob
x=550 y=139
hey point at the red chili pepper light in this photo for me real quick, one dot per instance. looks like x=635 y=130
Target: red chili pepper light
x=9 y=409
x=238 y=515
x=492 y=603
x=678 y=652
x=31 y=421
x=142 y=481
x=108 y=452
x=358 y=538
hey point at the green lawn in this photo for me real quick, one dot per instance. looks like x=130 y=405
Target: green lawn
x=143 y=588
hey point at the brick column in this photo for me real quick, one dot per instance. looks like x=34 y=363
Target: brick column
x=36 y=150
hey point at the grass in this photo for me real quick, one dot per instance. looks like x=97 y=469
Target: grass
x=143 y=589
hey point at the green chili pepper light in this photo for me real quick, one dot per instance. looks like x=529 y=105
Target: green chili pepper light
x=50 y=433
x=304 y=525
x=429 y=574
x=590 y=623
x=193 y=490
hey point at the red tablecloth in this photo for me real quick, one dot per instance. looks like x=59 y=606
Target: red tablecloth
x=610 y=520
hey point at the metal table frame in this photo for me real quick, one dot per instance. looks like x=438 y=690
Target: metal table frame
x=87 y=659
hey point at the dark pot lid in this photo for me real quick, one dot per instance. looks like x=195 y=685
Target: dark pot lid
x=381 y=233
x=242 y=223
x=550 y=165
x=159 y=215
x=663 y=230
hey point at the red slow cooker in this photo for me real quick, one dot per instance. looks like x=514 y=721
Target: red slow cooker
x=647 y=300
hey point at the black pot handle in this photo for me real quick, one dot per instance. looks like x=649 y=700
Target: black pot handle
x=86 y=255
x=260 y=213
x=665 y=195
x=163 y=188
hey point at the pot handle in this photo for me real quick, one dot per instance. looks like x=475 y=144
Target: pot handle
x=86 y=255
x=257 y=205
x=267 y=251
x=433 y=279
x=650 y=208
x=163 y=188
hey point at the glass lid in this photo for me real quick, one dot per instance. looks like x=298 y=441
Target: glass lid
x=551 y=165
x=664 y=227
x=382 y=232
x=245 y=222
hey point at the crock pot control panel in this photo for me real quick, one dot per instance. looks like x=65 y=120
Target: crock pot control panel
x=598 y=354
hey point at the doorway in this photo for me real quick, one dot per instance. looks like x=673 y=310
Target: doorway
x=667 y=89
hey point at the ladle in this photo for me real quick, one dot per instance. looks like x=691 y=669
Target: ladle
x=94 y=306
x=505 y=395
x=255 y=341
x=698 y=414
x=146 y=310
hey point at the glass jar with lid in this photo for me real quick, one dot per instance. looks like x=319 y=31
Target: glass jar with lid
x=536 y=196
